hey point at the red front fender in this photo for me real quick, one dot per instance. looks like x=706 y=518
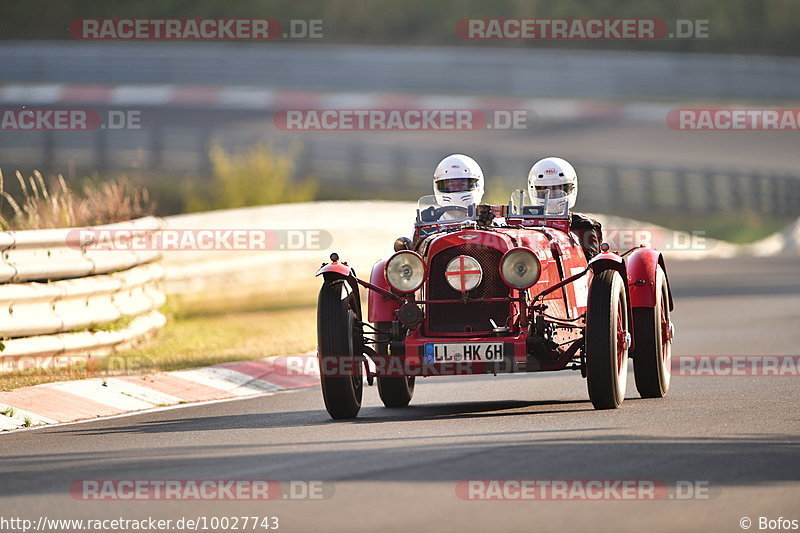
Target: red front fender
x=381 y=307
x=642 y=264
x=335 y=271
x=335 y=268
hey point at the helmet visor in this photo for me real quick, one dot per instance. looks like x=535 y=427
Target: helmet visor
x=556 y=191
x=457 y=185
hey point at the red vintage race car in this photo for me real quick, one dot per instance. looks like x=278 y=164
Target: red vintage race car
x=491 y=289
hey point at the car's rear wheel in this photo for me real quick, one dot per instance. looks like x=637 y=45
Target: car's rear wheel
x=395 y=391
x=607 y=340
x=339 y=351
x=652 y=354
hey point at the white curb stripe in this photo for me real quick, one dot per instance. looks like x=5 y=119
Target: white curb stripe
x=141 y=392
x=228 y=381
x=144 y=95
x=93 y=389
x=7 y=422
x=20 y=414
x=47 y=93
x=349 y=101
x=245 y=98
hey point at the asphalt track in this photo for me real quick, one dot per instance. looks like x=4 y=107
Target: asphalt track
x=396 y=470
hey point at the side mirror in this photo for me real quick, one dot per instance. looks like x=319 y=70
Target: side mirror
x=402 y=243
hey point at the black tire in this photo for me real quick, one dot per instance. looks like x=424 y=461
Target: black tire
x=394 y=391
x=652 y=354
x=606 y=353
x=338 y=351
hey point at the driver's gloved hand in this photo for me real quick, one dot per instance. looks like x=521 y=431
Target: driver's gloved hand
x=485 y=215
x=428 y=215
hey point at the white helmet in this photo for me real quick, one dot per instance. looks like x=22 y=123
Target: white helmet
x=458 y=180
x=555 y=175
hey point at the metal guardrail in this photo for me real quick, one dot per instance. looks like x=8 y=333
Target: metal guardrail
x=604 y=188
x=28 y=309
x=58 y=291
x=471 y=69
x=54 y=254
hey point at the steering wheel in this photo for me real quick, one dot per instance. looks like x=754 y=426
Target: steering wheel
x=433 y=214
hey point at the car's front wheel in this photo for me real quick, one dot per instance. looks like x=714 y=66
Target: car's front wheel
x=607 y=340
x=339 y=351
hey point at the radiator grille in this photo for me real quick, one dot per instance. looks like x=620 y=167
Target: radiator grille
x=461 y=317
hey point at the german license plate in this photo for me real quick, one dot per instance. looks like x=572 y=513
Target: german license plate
x=470 y=352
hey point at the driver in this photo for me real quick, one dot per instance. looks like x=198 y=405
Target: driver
x=553 y=183
x=458 y=181
x=457 y=184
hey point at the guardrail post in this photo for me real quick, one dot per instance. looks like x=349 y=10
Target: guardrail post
x=204 y=149
x=783 y=187
x=156 y=146
x=48 y=150
x=736 y=192
x=751 y=192
x=400 y=165
x=772 y=195
x=488 y=164
x=712 y=195
x=681 y=184
x=100 y=149
x=305 y=160
x=649 y=200
x=794 y=196
x=355 y=164
x=614 y=187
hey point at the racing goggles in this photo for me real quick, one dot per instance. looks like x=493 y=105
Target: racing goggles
x=556 y=191
x=457 y=185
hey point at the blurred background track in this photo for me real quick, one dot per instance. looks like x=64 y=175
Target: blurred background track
x=603 y=110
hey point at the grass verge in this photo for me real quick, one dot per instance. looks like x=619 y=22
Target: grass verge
x=207 y=339
x=191 y=340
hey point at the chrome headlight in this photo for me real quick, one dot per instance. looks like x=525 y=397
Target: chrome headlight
x=463 y=273
x=520 y=268
x=405 y=271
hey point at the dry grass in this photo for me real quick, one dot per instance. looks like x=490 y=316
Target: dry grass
x=257 y=176
x=57 y=206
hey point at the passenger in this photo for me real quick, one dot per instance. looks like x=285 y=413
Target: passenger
x=553 y=184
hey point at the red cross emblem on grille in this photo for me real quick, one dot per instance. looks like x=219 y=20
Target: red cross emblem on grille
x=463 y=273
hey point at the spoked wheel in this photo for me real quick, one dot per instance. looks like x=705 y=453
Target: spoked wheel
x=652 y=354
x=607 y=340
x=394 y=391
x=341 y=372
